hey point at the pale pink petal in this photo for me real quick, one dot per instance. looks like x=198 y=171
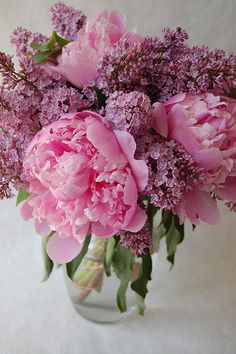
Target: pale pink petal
x=208 y=158
x=41 y=227
x=105 y=142
x=77 y=63
x=201 y=205
x=138 y=221
x=63 y=250
x=26 y=211
x=228 y=190
x=130 y=191
x=103 y=231
x=160 y=123
x=176 y=99
x=179 y=131
x=139 y=167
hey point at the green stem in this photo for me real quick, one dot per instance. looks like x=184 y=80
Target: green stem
x=89 y=276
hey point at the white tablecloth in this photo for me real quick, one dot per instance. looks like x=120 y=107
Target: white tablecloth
x=192 y=309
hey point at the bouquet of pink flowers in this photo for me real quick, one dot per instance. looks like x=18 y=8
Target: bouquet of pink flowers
x=102 y=128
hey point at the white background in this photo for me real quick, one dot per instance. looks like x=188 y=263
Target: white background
x=193 y=309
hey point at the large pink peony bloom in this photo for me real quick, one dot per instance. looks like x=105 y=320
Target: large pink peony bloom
x=78 y=62
x=206 y=126
x=84 y=180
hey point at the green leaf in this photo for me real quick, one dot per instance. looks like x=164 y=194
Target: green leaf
x=61 y=41
x=122 y=263
x=43 y=55
x=21 y=196
x=140 y=304
x=109 y=254
x=48 y=263
x=140 y=284
x=151 y=212
x=101 y=98
x=157 y=234
x=233 y=93
x=174 y=236
x=53 y=41
x=72 y=266
x=40 y=47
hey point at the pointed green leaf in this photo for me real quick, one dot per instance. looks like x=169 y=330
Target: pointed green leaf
x=42 y=56
x=140 y=303
x=40 y=47
x=157 y=234
x=140 y=284
x=52 y=41
x=72 y=266
x=109 y=254
x=122 y=263
x=101 y=98
x=174 y=236
x=151 y=212
x=48 y=263
x=21 y=196
x=233 y=93
x=61 y=41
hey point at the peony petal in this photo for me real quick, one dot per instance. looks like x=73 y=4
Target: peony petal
x=104 y=141
x=26 y=211
x=63 y=250
x=228 y=190
x=139 y=167
x=160 y=119
x=41 y=227
x=103 y=231
x=179 y=131
x=201 y=205
x=138 y=221
x=208 y=158
x=176 y=99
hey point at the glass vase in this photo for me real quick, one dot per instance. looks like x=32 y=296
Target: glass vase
x=93 y=293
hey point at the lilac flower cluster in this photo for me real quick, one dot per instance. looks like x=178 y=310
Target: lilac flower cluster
x=29 y=99
x=172 y=171
x=163 y=68
x=22 y=38
x=129 y=111
x=138 y=243
x=67 y=21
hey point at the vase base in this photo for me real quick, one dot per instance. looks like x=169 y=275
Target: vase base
x=102 y=315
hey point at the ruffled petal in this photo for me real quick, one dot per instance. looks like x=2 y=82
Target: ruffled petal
x=63 y=250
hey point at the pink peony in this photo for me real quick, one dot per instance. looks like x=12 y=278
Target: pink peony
x=78 y=62
x=84 y=180
x=206 y=126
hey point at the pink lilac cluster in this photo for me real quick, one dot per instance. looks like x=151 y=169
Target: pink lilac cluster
x=138 y=243
x=205 y=126
x=172 y=171
x=163 y=68
x=29 y=99
x=129 y=111
x=67 y=21
x=84 y=180
x=22 y=39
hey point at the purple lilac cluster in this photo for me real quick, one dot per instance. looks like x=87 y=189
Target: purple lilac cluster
x=67 y=21
x=29 y=99
x=138 y=243
x=172 y=171
x=163 y=68
x=22 y=38
x=129 y=111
